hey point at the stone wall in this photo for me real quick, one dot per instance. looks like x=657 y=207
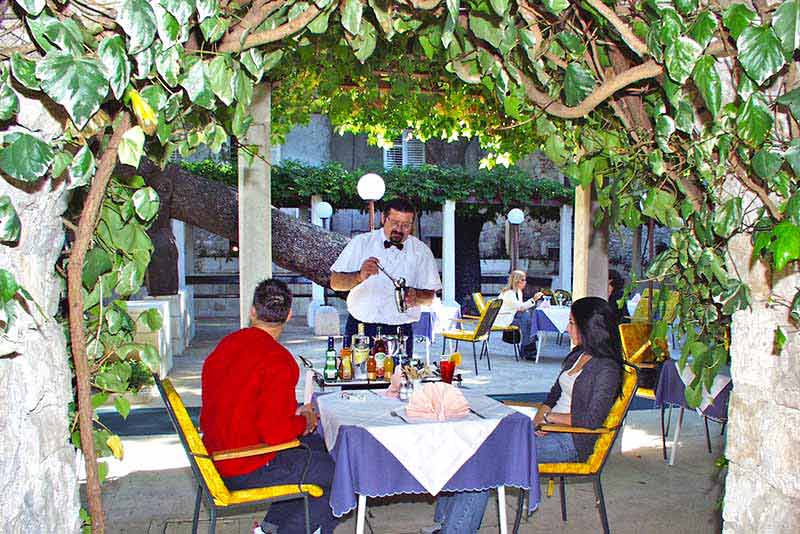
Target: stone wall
x=38 y=476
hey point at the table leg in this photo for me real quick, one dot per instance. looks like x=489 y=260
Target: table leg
x=676 y=437
x=362 y=512
x=501 y=508
x=539 y=338
x=428 y=351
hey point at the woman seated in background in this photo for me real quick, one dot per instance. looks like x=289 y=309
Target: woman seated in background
x=518 y=312
x=582 y=395
x=616 y=289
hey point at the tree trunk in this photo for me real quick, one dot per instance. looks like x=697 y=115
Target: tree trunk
x=468 y=260
x=296 y=245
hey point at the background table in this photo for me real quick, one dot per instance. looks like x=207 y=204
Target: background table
x=366 y=468
x=671 y=392
x=548 y=319
x=433 y=320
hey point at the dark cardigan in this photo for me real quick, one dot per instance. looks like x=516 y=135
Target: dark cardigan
x=593 y=394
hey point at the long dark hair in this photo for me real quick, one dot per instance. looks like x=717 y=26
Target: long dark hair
x=597 y=325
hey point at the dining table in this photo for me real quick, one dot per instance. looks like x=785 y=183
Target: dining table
x=548 y=318
x=379 y=450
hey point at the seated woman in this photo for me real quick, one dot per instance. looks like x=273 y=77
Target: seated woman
x=616 y=289
x=517 y=312
x=582 y=395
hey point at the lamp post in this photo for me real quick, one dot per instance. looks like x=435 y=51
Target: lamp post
x=371 y=188
x=515 y=218
x=324 y=211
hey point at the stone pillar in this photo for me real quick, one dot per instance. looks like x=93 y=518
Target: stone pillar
x=449 y=252
x=317 y=291
x=565 y=248
x=255 y=219
x=762 y=488
x=598 y=259
x=583 y=230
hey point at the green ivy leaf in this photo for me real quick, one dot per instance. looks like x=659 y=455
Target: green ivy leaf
x=25 y=157
x=97 y=263
x=707 y=80
x=786 y=23
x=197 y=86
x=487 y=29
x=792 y=101
x=9 y=102
x=556 y=6
x=352 y=13
x=115 y=61
x=123 y=406
x=167 y=26
x=82 y=169
x=138 y=20
x=220 y=76
x=149 y=356
x=754 y=120
x=686 y=7
x=792 y=155
x=736 y=18
x=785 y=245
x=130 y=279
x=364 y=43
x=146 y=203
x=151 y=319
x=680 y=58
x=214 y=28
x=131 y=147
x=206 y=8
x=24 y=70
x=144 y=62
x=656 y=162
x=780 y=340
x=735 y=297
x=703 y=28
x=8 y=286
x=555 y=150
x=9 y=221
x=794 y=310
x=32 y=7
x=671 y=26
x=578 y=84
x=660 y=205
x=77 y=83
x=168 y=64
x=102 y=471
x=180 y=9
x=665 y=127
x=766 y=163
x=272 y=59
x=319 y=25
x=114 y=377
x=759 y=52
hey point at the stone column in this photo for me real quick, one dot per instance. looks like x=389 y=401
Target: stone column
x=449 y=252
x=583 y=229
x=565 y=248
x=317 y=291
x=255 y=219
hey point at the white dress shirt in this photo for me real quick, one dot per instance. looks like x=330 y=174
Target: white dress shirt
x=512 y=303
x=372 y=301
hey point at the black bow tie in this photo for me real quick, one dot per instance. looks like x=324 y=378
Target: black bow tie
x=387 y=244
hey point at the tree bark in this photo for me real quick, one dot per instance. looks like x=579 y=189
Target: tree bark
x=296 y=245
x=468 y=262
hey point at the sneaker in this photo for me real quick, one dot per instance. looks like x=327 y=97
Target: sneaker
x=435 y=528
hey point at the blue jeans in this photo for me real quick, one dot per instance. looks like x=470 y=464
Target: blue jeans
x=463 y=511
x=286 y=468
x=524 y=321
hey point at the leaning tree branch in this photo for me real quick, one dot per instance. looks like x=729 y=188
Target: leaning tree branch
x=270 y=36
x=625 y=31
x=83 y=238
x=254 y=17
x=741 y=173
x=647 y=70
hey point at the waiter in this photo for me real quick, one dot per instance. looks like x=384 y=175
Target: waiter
x=371 y=300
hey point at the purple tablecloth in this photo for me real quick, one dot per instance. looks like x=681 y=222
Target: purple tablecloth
x=365 y=467
x=671 y=390
x=424 y=327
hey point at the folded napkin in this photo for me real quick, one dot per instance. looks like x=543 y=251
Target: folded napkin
x=308 y=390
x=393 y=391
x=437 y=401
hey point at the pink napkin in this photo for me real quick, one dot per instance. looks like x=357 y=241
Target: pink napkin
x=393 y=390
x=437 y=401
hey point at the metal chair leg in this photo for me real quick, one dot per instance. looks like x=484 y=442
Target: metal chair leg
x=520 y=506
x=212 y=528
x=475 y=358
x=485 y=349
x=196 y=516
x=516 y=351
x=708 y=438
x=308 y=514
x=563 y=492
x=601 y=503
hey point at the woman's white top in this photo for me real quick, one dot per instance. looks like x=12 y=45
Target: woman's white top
x=567 y=382
x=512 y=303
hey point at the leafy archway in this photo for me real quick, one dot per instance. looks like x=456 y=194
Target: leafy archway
x=682 y=111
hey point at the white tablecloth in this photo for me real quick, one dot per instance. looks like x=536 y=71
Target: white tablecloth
x=558 y=315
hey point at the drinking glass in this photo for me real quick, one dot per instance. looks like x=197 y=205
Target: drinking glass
x=446 y=370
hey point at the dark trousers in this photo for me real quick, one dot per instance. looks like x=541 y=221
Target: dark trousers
x=370 y=329
x=287 y=468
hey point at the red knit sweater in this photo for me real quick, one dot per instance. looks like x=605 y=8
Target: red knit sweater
x=248 y=398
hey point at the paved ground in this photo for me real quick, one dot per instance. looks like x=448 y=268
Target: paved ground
x=151 y=491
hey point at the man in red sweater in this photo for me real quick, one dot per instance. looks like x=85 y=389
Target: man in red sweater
x=249 y=398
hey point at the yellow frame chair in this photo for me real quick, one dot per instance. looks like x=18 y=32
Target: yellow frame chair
x=479 y=335
x=480 y=304
x=592 y=468
x=210 y=486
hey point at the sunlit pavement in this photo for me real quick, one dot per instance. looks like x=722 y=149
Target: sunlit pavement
x=151 y=490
